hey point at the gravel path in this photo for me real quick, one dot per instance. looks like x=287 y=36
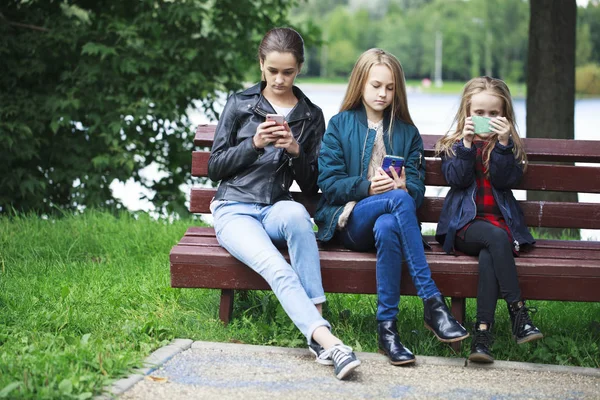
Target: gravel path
x=221 y=370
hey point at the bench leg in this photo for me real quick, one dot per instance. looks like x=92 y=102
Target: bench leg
x=459 y=306
x=226 y=306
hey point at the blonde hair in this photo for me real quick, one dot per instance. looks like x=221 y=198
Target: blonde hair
x=358 y=79
x=495 y=87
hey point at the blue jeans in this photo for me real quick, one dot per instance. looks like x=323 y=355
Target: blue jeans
x=252 y=233
x=388 y=223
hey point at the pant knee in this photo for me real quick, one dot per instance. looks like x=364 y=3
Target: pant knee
x=386 y=229
x=296 y=217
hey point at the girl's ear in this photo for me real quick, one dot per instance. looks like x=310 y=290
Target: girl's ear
x=299 y=69
x=262 y=65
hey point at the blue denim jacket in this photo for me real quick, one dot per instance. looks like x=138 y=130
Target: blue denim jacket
x=344 y=163
x=460 y=208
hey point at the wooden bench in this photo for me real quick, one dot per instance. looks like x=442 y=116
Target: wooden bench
x=567 y=270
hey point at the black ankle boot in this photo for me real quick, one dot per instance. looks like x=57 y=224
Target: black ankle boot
x=389 y=344
x=481 y=343
x=522 y=328
x=439 y=320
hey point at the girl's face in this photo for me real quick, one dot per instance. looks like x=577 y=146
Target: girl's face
x=486 y=104
x=279 y=71
x=378 y=92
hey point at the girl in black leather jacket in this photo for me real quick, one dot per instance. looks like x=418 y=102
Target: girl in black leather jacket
x=256 y=161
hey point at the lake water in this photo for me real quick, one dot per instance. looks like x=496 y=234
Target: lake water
x=432 y=114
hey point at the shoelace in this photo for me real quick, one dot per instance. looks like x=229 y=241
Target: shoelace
x=338 y=353
x=522 y=317
x=484 y=337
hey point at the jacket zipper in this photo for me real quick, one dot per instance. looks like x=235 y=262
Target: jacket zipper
x=362 y=159
x=331 y=222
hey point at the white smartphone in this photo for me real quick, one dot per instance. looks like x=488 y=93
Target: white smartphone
x=278 y=118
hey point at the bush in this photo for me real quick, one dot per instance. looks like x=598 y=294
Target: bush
x=587 y=79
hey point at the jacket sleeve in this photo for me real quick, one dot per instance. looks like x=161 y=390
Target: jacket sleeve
x=227 y=157
x=337 y=186
x=505 y=170
x=414 y=168
x=305 y=166
x=459 y=170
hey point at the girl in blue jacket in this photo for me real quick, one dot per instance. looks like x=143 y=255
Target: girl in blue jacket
x=480 y=216
x=368 y=209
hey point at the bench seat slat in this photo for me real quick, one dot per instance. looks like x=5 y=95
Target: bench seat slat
x=209 y=231
x=535 y=252
x=537 y=213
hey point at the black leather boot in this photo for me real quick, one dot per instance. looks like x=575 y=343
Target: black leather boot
x=481 y=343
x=389 y=344
x=522 y=328
x=439 y=320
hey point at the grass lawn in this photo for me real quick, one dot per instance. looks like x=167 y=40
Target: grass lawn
x=84 y=299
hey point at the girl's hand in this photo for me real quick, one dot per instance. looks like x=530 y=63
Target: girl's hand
x=399 y=181
x=468 y=132
x=266 y=133
x=285 y=140
x=381 y=183
x=501 y=126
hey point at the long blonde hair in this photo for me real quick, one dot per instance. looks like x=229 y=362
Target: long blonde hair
x=495 y=87
x=358 y=80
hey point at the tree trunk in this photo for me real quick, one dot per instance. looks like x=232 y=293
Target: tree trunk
x=551 y=81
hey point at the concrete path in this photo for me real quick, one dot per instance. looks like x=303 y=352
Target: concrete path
x=206 y=370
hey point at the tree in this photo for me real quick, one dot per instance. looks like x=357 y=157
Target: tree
x=551 y=77
x=94 y=91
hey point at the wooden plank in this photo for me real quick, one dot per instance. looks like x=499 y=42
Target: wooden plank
x=209 y=231
x=440 y=263
x=537 y=149
x=542 y=280
x=535 y=252
x=537 y=213
x=560 y=178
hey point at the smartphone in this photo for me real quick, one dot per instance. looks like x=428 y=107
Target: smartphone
x=278 y=118
x=482 y=124
x=392 y=161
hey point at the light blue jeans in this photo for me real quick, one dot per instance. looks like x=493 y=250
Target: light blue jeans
x=253 y=232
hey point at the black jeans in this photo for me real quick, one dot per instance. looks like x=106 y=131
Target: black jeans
x=497 y=269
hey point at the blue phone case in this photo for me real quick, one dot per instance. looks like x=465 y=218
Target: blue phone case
x=395 y=161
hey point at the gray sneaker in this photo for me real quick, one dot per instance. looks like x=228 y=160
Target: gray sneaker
x=316 y=349
x=344 y=359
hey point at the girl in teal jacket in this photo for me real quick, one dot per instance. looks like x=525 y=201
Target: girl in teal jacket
x=369 y=209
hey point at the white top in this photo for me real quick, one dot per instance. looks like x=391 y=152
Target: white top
x=282 y=110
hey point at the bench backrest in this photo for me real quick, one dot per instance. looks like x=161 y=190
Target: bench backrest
x=546 y=172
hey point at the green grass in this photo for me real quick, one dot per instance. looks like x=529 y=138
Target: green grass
x=84 y=299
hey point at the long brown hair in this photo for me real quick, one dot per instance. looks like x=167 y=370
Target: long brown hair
x=358 y=79
x=495 y=87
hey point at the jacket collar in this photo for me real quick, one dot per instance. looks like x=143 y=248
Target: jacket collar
x=302 y=110
x=361 y=113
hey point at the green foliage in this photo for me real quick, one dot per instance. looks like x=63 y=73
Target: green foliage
x=478 y=36
x=587 y=79
x=95 y=91
x=589 y=16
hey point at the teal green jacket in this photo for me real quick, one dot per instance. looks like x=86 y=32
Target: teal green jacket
x=344 y=163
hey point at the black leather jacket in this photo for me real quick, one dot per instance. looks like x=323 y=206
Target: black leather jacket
x=252 y=176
